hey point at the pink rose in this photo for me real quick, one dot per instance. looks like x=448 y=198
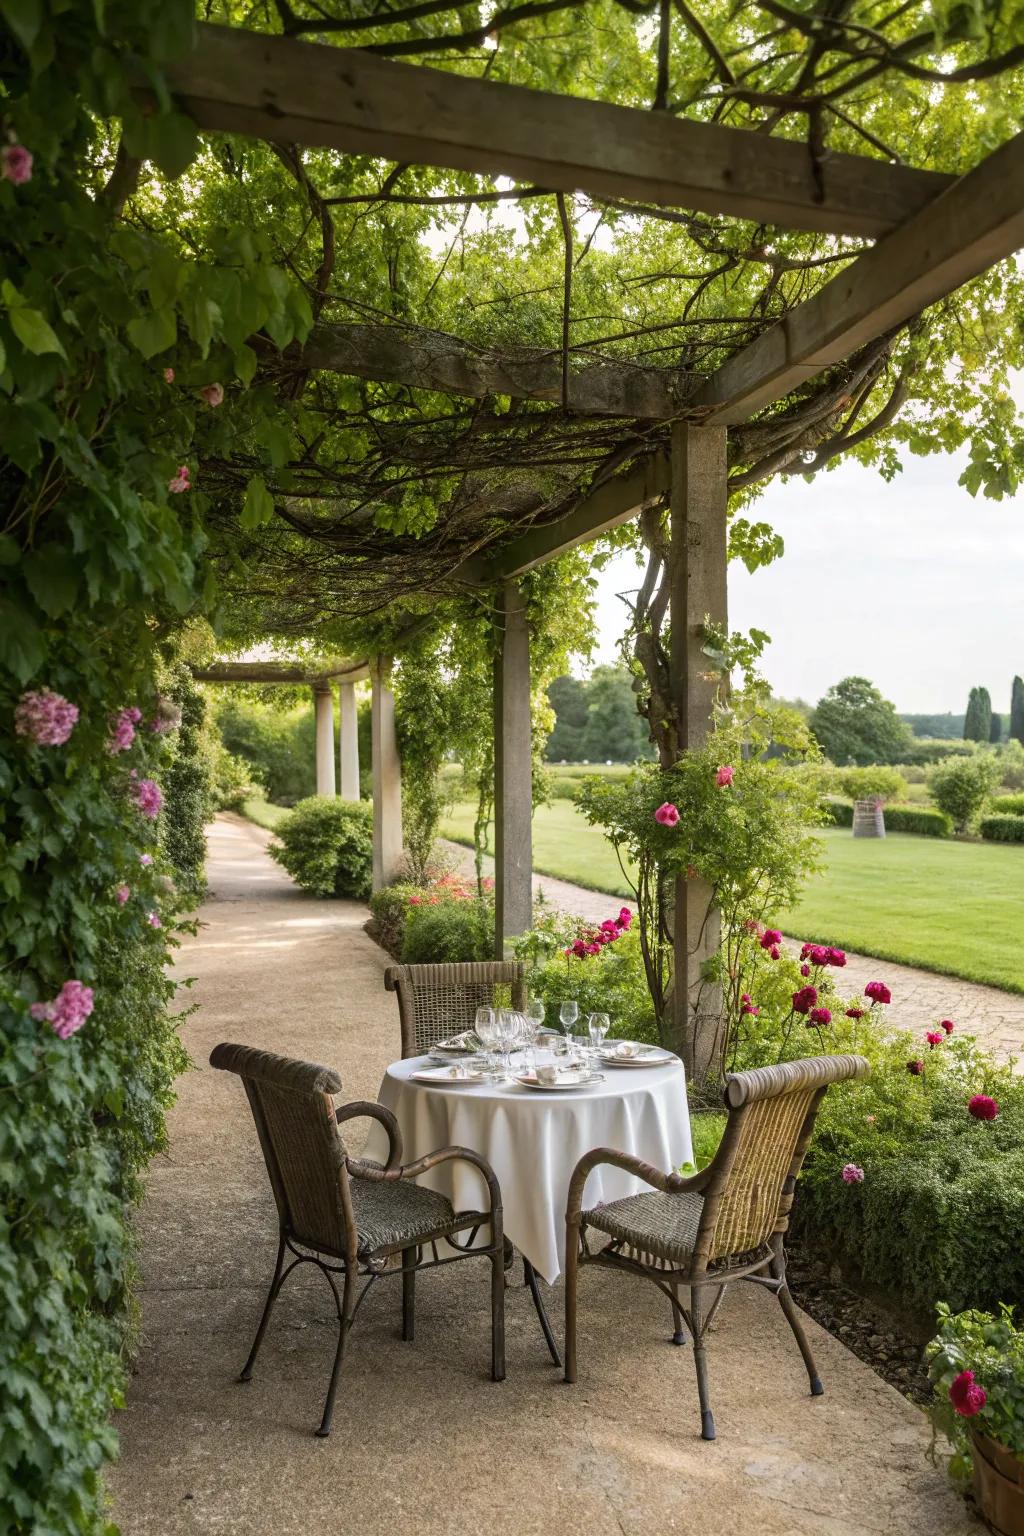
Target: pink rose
x=15 y=164
x=179 y=482
x=821 y=1016
x=593 y=949
x=852 y=1174
x=667 y=815
x=982 y=1107
x=878 y=992
x=836 y=957
x=45 y=717
x=121 y=894
x=122 y=729
x=415 y=901
x=147 y=796
x=934 y=1037
x=769 y=938
x=805 y=970
x=145 y=858
x=624 y=918
x=153 y=919
x=774 y=952
x=168 y=375
x=746 y=998
x=805 y=999
x=947 y=1025
x=724 y=776
x=855 y=1013
x=213 y=394
x=915 y=1068
x=66 y=1012
x=966 y=1395
x=579 y=948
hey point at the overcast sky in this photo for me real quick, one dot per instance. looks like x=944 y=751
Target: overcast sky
x=913 y=584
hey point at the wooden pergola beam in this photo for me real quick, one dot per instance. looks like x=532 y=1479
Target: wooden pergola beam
x=975 y=223
x=598 y=512
x=281 y=89
x=425 y=359
x=280 y=672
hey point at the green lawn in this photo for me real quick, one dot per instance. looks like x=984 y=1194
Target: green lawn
x=265 y=814
x=952 y=907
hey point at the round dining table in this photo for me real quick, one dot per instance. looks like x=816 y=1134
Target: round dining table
x=533 y=1140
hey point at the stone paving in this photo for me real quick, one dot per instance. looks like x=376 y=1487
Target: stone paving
x=920 y=998
x=424 y=1442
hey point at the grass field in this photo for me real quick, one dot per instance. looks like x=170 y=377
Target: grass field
x=952 y=907
x=264 y=814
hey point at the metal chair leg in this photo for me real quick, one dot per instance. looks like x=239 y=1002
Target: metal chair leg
x=707 y=1418
x=679 y=1332
x=789 y=1307
x=572 y=1245
x=275 y=1286
x=497 y=1315
x=530 y=1279
x=344 y=1322
x=409 y=1256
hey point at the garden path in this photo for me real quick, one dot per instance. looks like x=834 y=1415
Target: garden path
x=920 y=998
x=423 y=1441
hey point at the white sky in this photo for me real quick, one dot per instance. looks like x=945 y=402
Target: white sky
x=913 y=584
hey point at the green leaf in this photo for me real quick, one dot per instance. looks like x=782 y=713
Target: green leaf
x=51 y=575
x=173 y=139
x=258 y=507
x=34 y=332
x=153 y=332
x=245 y=364
x=24 y=17
x=10 y=550
x=22 y=643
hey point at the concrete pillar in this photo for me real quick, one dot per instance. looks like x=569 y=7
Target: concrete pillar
x=349 y=745
x=387 y=781
x=513 y=770
x=697 y=591
x=323 y=699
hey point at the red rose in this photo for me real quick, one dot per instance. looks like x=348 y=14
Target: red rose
x=966 y=1395
x=805 y=999
x=915 y=1068
x=982 y=1107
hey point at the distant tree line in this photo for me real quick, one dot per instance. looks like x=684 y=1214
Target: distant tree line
x=596 y=719
x=981 y=723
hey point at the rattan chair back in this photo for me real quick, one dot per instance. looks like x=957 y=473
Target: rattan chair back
x=435 y=1001
x=772 y=1111
x=304 y=1153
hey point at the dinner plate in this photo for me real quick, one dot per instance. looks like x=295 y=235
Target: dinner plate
x=563 y=1085
x=442 y=1077
x=648 y=1056
x=445 y=1050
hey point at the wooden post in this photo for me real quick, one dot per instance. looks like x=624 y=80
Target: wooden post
x=513 y=770
x=323 y=701
x=387 y=780
x=349 y=743
x=698 y=592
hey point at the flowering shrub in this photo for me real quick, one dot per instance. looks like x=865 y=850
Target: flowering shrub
x=326 y=845
x=611 y=980
x=45 y=717
x=976 y=1367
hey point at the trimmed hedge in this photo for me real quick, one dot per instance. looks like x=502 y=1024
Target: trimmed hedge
x=1007 y=805
x=326 y=845
x=923 y=820
x=1003 y=829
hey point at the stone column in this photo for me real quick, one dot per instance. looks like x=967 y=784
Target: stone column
x=387 y=780
x=323 y=699
x=349 y=745
x=513 y=770
x=697 y=591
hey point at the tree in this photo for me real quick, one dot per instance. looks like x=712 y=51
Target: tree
x=568 y=698
x=978 y=720
x=614 y=731
x=1016 y=731
x=961 y=786
x=995 y=729
x=855 y=724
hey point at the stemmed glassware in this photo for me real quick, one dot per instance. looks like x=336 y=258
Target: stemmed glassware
x=532 y=1019
x=510 y=1033
x=485 y=1027
x=597 y=1027
x=568 y=1013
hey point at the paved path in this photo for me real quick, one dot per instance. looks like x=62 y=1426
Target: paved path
x=920 y=998
x=424 y=1443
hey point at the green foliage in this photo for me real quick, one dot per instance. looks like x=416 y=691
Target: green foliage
x=923 y=751
x=922 y=819
x=961 y=787
x=995 y=730
x=1011 y=764
x=855 y=724
x=233 y=780
x=1002 y=829
x=978 y=720
x=326 y=845
x=596 y=720
x=613 y=981
x=1007 y=805
x=443 y=930
x=277 y=741
x=1016 y=728
x=940 y=727
x=871 y=783
x=188 y=801
x=991 y=1347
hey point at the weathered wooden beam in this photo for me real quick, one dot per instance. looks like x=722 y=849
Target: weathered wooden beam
x=424 y=359
x=513 y=770
x=975 y=223
x=279 y=672
x=611 y=504
x=282 y=89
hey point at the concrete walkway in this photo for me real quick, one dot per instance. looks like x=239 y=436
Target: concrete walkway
x=423 y=1441
x=920 y=998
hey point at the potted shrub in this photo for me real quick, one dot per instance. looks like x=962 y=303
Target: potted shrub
x=976 y=1365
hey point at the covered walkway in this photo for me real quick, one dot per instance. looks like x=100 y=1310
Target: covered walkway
x=423 y=1441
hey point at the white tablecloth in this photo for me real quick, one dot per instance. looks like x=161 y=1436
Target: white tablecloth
x=534 y=1140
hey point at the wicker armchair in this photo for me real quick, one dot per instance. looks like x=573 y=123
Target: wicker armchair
x=435 y=1001
x=353 y=1218
x=725 y=1223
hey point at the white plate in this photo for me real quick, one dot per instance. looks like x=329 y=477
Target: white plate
x=563 y=1085
x=441 y=1077
x=648 y=1056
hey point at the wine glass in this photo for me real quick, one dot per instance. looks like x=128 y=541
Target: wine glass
x=509 y=1034
x=535 y=1013
x=597 y=1028
x=485 y=1027
x=568 y=1013
x=532 y=1019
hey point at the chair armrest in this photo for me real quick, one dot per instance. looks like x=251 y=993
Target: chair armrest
x=668 y=1183
x=363 y=1107
x=361 y=1170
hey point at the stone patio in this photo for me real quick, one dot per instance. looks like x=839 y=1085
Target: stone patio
x=423 y=1440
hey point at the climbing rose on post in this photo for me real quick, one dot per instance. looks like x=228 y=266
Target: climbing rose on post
x=967 y=1397
x=67 y=1011
x=122 y=732
x=16 y=164
x=667 y=815
x=724 y=776
x=45 y=717
x=148 y=798
x=982 y=1107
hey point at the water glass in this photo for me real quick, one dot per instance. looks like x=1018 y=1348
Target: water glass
x=485 y=1027
x=568 y=1014
x=597 y=1027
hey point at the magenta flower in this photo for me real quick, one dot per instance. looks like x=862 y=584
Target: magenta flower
x=836 y=957
x=947 y=1025
x=770 y=938
x=915 y=1068
x=593 y=949
x=821 y=1016
x=67 y=1011
x=122 y=732
x=749 y=1009
x=774 y=952
x=667 y=815
x=45 y=717
x=805 y=999
x=852 y=1174
x=934 y=1037
x=966 y=1396
x=145 y=859
x=878 y=992
x=855 y=1013
x=213 y=394
x=121 y=894
x=579 y=948
x=624 y=918
x=168 y=375
x=15 y=164
x=147 y=797
x=805 y=970
x=724 y=776
x=982 y=1107
x=179 y=482
x=153 y=919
